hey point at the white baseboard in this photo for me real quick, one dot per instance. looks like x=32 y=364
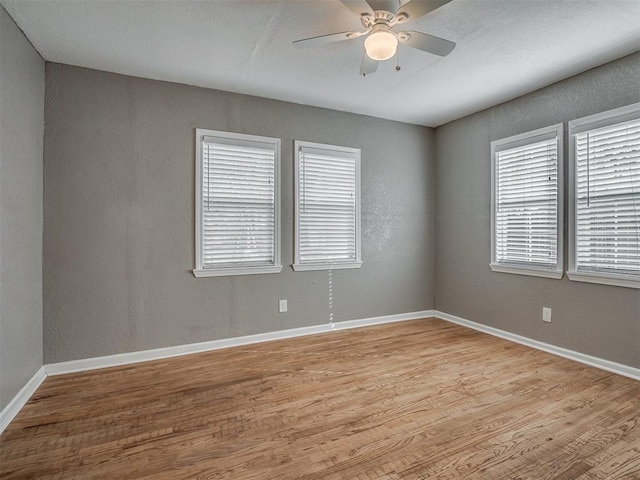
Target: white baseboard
x=9 y=412
x=167 y=352
x=12 y=409
x=607 y=365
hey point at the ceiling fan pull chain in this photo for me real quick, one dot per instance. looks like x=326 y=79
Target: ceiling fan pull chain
x=398 y=60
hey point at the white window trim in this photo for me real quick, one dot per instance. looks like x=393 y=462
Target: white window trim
x=576 y=126
x=512 y=142
x=609 y=279
x=199 y=271
x=301 y=267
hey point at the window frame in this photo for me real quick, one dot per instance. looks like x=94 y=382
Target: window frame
x=577 y=126
x=356 y=152
x=200 y=270
x=514 y=141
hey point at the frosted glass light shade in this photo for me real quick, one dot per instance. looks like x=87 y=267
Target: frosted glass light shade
x=381 y=45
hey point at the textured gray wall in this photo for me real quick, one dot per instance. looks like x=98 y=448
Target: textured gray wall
x=119 y=217
x=594 y=319
x=21 y=132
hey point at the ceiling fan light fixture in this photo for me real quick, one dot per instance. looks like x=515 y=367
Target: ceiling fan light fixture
x=381 y=45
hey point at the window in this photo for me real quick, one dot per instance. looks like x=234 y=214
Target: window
x=327 y=207
x=605 y=198
x=237 y=204
x=526 y=215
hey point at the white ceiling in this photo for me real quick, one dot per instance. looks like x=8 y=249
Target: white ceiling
x=505 y=48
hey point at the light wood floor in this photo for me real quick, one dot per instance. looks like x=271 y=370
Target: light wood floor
x=412 y=400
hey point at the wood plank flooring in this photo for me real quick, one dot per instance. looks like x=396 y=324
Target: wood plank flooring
x=414 y=400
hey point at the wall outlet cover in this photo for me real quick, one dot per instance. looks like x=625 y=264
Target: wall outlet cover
x=282 y=306
x=546 y=314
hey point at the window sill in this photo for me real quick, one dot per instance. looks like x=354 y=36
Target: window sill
x=227 y=272
x=531 y=271
x=298 y=267
x=603 y=279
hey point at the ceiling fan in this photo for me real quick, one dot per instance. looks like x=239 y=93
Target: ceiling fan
x=382 y=41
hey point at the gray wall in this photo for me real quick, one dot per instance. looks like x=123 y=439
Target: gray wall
x=21 y=132
x=119 y=217
x=594 y=319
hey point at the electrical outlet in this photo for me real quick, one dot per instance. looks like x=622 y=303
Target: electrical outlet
x=546 y=314
x=282 y=306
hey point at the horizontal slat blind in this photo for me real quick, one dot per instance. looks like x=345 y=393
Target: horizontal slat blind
x=526 y=228
x=607 y=182
x=238 y=206
x=327 y=207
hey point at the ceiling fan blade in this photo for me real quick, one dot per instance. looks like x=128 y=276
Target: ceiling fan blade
x=427 y=43
x=368 y=65
x=325 y=39
x=386 y=5
x=359 y=7
x=416 y=8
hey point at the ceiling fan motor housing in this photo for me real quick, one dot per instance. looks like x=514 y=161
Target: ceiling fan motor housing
x=379 y=17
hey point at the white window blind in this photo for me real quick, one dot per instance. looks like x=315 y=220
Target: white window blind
x=327 y=207
x=527 y=203
x=607 y=200
x=238 y=209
